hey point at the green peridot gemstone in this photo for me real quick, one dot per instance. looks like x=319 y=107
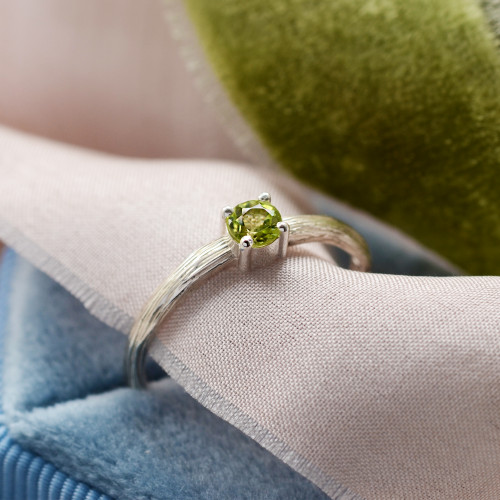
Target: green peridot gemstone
x=257 y=219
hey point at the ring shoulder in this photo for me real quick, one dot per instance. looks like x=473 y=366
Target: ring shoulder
x=326 y=229
x=200 y=264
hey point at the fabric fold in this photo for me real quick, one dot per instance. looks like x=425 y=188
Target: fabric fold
x=383 y=384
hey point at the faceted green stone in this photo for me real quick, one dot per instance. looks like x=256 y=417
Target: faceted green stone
x=257 y=219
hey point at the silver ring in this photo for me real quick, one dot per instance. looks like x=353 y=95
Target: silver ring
x=249 y=227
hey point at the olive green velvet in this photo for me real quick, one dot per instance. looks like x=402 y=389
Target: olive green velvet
x=390 y=105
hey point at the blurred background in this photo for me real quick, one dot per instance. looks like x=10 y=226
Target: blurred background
x=103 y=74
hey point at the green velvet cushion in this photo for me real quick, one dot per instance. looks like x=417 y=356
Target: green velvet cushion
x=390 y=105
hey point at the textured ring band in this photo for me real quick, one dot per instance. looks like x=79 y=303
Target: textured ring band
x=250 y=225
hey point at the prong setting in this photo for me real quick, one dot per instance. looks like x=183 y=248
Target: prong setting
x=246 y=242
x=265 y=197
x=226 y=212
x=284 y=238
x=245 y=253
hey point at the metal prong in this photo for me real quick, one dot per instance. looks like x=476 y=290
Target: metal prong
x=284 y=237
x=226 y=212
x=265 y=197
x=245 y=256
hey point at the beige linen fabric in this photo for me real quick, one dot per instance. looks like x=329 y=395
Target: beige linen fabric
x=372 y=386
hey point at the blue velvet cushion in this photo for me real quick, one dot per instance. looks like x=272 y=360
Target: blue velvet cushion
x=24 y=475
